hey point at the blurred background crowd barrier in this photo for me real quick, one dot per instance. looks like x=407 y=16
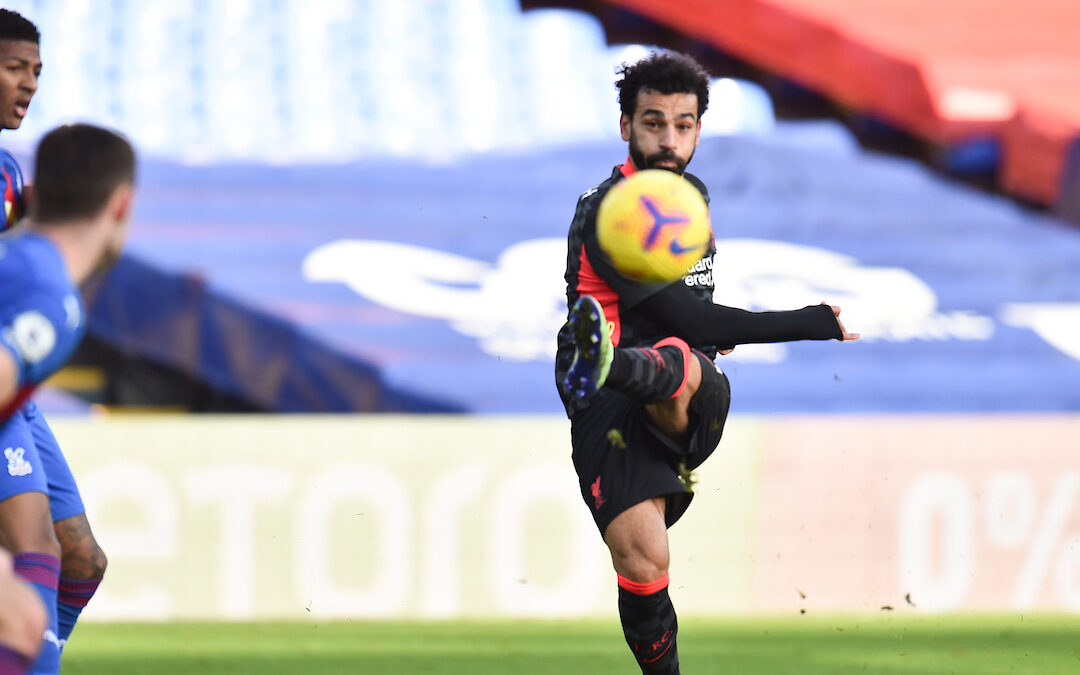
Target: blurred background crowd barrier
x=361 y=207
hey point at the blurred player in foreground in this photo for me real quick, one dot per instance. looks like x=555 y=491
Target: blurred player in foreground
x=22 y=620
x=79 y=212
x=635 y=363
x=82 y=562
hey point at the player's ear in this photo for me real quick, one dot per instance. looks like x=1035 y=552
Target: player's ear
x=697 y=136
x=120 y=203
x=624 y=126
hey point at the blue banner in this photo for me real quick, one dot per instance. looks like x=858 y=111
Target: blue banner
x=405 y=286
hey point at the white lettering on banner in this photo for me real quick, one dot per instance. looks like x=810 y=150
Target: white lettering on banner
x=385 y=592
x=1054 y=322
x=515 y=305
x=143 y=491
x=468 y=512
x=541 y=486
x=445 y=518
x=939 y=532
x=1045 y=538
x=449 y=516
x=936 y=532
x=239 y=490
x=887 y=303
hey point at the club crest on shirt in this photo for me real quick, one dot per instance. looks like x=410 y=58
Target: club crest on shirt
x=17 y=462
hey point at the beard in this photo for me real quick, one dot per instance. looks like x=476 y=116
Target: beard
x=109 y=257
x=650 y=162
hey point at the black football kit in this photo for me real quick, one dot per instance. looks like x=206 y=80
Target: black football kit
x=621 y=458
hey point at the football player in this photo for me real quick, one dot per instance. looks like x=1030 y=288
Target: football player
x=635 y=363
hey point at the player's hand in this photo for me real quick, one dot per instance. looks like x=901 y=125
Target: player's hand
x=846 y=335
x=725 y=352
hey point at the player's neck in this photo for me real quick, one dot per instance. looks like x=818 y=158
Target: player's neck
x=80 y=243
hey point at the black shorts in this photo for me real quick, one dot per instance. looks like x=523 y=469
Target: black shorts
x=622 y=459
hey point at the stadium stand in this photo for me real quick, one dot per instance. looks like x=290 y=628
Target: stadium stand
x=330 y=82
x=958 y=73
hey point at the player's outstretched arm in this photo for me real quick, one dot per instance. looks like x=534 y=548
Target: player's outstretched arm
x=706 y=323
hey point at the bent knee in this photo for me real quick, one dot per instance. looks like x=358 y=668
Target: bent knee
x=637 y=540
x=643 y=569
x=83 y=557
x=96 y=562
x=640 y=560
x=673 y=416
x=86 y=561
x=693 y=376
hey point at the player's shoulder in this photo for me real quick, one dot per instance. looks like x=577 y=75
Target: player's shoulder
x=20 y=250
x=36 y=294
x=30 y=263
x=594 y=194
x=588 y=203
x=697 y=183
x=16 y=257
x=42 y=316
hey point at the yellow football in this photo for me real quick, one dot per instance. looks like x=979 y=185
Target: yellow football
x=654 y=226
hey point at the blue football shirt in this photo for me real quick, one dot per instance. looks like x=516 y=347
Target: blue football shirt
x=42 y=318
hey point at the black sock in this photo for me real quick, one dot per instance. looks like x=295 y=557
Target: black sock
x=649 y=625
x=648 y=374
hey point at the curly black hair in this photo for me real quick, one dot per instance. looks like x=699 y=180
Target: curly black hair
x=665 y=72
x=14 y=26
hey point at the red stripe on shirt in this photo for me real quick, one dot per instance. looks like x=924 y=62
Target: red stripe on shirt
x=590 y=283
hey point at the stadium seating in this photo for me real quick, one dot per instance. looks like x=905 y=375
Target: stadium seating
x=335 y=81
x=988 y=80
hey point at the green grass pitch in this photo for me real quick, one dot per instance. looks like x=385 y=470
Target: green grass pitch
x=885 y=643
